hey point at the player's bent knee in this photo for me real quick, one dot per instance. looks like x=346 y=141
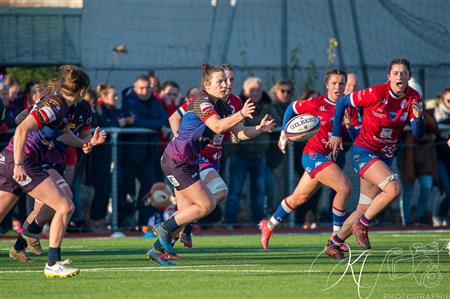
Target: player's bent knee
x=393 y=188
x=67 y=207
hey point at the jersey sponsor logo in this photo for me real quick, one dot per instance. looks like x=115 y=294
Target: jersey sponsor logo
x=322 y=108
x=386 y=133
x=47 y=114
x=173 y=181
x=379 y=115
x=392 y=115
x=206 y=106
x=404 y=104
x=384 y=101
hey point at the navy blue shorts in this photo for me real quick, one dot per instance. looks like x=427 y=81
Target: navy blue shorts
x=180 y=174
x=314 y=162
x=364 y=158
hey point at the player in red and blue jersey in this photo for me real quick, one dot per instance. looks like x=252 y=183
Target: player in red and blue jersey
x=318 y=162
x=210 y=155
x=387 y=108
x=206 y=116
x=21 y=163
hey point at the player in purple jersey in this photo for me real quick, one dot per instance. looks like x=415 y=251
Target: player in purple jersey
x=80 y=118
x=206 y=116
x=21 y=168
x=386 y=108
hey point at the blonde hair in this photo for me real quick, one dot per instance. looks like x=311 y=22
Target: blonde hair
x=70 y=78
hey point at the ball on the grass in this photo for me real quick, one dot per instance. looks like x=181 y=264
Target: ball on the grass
x=302 y=127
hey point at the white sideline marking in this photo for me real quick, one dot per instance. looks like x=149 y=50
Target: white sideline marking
x=178 y=269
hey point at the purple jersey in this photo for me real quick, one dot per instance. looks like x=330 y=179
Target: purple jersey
x=80 y=119
x=50 y=114
x=193 y=134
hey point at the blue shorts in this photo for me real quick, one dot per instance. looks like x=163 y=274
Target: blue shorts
x=313 y=163
x=364 y=158
x=204 y=163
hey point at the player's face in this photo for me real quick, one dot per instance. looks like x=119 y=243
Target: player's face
x=142 y=89
x=230 y=80
x=398 y=78
x=217 y=86
x=335 y=86
x=283 y=93
x=352 y=84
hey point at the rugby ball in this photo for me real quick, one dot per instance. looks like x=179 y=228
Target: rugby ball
x=302 y=127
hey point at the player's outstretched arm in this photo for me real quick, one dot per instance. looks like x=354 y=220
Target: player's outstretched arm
x=245 y=133
x=223 y=125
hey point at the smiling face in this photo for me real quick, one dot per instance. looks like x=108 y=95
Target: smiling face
x=217 y=85
x=398 y=77
x=335 y=86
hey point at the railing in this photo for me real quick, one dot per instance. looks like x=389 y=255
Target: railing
x=114 y=133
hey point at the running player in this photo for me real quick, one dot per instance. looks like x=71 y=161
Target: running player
x=387 y=108
x=80 y=118
x=22 y=160
x=210 y=155
x=320 y=167
x=206 y=116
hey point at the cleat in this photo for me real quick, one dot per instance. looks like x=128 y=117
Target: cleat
x=33 y=243
x=164 y=238
x=334 y=252
x=159 y=257
x=266 y=233
x=361 y=235
x=173 y=256
x=186 y=239
x=60 y=270
x=344 y=247
x=19 y=255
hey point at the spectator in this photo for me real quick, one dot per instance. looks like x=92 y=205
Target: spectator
x=169 y=96
x=140 y=159
x=442 y=116
x=9 y=90
x=419 y=161
x=155 y=85
x=192 y=92
x=249 y=157
x=281 y=94
x=108 y=115
x=28 y=98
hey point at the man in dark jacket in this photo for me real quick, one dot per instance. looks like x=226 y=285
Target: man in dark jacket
x=139 y=154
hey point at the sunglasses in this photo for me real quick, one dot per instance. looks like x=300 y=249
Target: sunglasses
x=287 y=91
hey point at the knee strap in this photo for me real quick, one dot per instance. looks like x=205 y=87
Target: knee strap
x=387 y=180
x=364 y=199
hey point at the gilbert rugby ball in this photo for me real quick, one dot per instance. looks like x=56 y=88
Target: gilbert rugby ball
x=302 y=127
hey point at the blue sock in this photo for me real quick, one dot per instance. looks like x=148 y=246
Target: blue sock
x=20 y=244
x=280 y=214
x=363 y=220
x=338 y=219
x=54 y=255
x=170 y=225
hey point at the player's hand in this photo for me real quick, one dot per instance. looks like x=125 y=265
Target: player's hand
x=266 y=125
x=335 y=142
x=19 y=173
x=248 y=109
x=347 y=120
x=98 y=137
x=283 y=142
x=417 y=109
x=87 y=148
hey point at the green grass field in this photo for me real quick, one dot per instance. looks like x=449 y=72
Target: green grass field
x=236 y=267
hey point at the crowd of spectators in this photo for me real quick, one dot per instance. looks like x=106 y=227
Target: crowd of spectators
x=148 y=104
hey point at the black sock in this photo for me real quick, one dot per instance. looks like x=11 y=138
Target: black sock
x=20 y=244
x=187 y=229
x=34 y=228
x=157 y=246
x=170 y=225
x=54 y=255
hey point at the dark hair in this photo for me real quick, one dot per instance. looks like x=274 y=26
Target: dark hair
x=70 y=78
x=335 y=72
x=170 y=84
x=307 y=94
x=227 y=67
x=102 y=89
x=142 y=78
x=188 y=92
x=400 y=60
x=208 y=70
x=30 y=85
